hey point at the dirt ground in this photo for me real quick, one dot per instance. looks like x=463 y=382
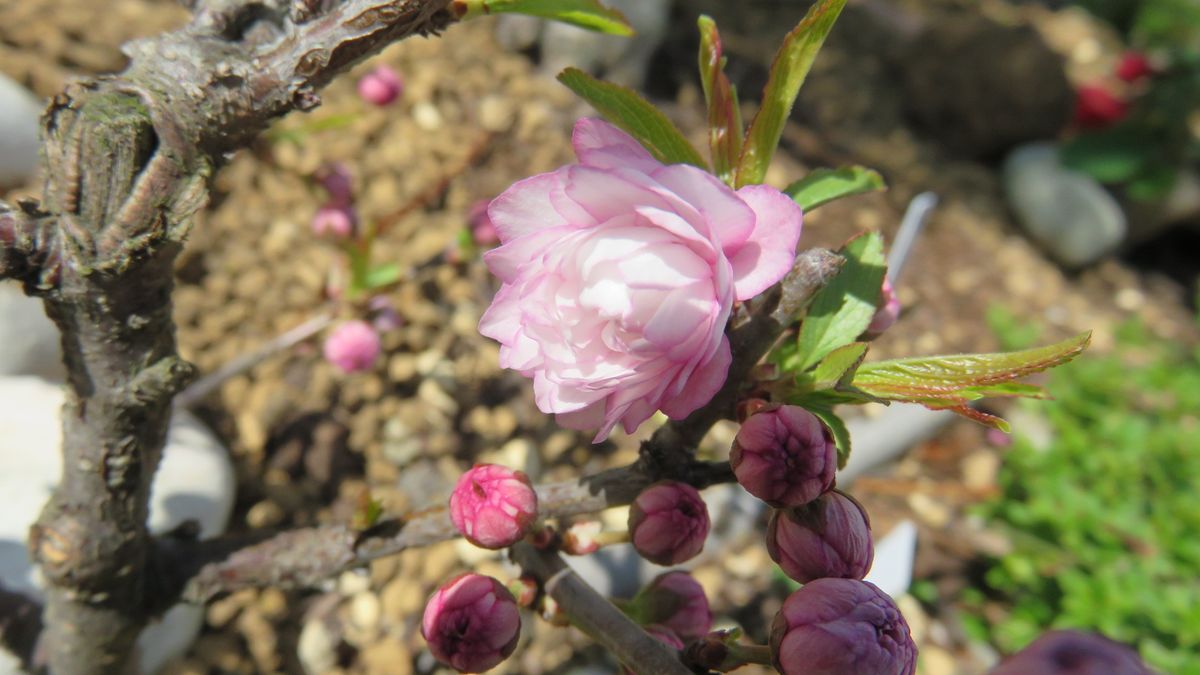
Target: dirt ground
x=308 y=441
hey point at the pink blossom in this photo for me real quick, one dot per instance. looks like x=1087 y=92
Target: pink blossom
x=668 y=523
x=471 y=623
x=619 y=275
x=839 y=626
x=493 y=506
x=352 y=346
x=381 y=86
x=828 y=537
x=888 y=312
x=1098 y=108
x=784 y=455
x=336 y=222
x=675 y=600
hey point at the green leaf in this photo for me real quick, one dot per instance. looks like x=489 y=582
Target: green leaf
x=382 y=275
x=626 y=109
x=952 y=382
x=822 y=186
x=1111 y=156
x=839 y=366
x=841 y=435
x=724 y=116
x=792 y=63
x=842 y=310
x=588 y=14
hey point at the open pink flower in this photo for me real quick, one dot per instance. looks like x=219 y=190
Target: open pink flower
x=619 y=274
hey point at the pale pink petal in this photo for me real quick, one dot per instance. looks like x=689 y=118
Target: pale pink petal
x=685 y=311
x=604 y=146
x=703 y=384
x=730 y=219
x=770 y=251
x=534 y=204
x=502 y=319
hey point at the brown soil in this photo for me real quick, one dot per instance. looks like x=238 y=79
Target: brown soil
x=309 y=442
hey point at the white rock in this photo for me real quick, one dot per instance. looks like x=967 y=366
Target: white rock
x=29 y=343
x=195 y=481
x=1068 y=213
x=19 y=112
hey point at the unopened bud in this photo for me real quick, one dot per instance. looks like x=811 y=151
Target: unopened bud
x=493 y=506
x=471 y=623
x=352 y=346
x=886 y=314
x=668 y=523
x=675 y=600
x=828 y=537
x=1072 y=652
x=335 y=222
x=835 y=626
x=784 y=455
x=381 y=86
x=483 y=231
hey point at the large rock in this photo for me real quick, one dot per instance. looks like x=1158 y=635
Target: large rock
x=194 y=482
x=1068 y=213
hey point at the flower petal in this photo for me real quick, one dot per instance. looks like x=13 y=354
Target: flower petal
x=770 y=251
x=703 y=384
x=604 y=146
x=534 y=204
x=730 y=220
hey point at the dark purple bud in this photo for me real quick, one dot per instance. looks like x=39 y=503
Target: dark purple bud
x=668 y=523
x=675 y=600
x=828 y=537
x=840 y=626
x=784 y=455
x=471 y=623
x=1072 y=652
x=334 y=177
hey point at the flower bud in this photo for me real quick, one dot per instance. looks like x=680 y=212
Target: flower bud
x=352 y=346
x=1098 y=108
x=483 y=231
x=381 y=86
x=784 y=455
x=334 y=177
x=675 y=600
x=668 y=523
x=1072 y=652
x=493 y=506
x=471 y=623
x=838 y=626
x=335 y=222
x=888 y=312
x=1133 y=66
x=828 y=537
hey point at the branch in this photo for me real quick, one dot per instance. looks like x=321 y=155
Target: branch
x=20 y=625
x=29 y=246
x=597 y=617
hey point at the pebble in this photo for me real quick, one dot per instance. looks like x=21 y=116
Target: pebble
x=402 y=598
x=934 y=513
x=317 y=648
x=387 y=657
x=365 y=612
x=496 y=113
x=979 y=470
x=264 y=514
x=426 y=115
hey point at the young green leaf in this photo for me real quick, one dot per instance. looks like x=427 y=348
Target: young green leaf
x=724 y=117
x=588 y=14
x=382 y=275
x=791 y=66
x=838 y=367
x=822 y=186
x=841 y=435
x=952 y=382
x=629 y=111
x=842 y=310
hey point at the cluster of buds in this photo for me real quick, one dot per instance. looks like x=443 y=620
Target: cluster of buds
x=336 y=219
x=1100 y=105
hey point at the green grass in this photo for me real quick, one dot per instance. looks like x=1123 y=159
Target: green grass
x=1105 y=520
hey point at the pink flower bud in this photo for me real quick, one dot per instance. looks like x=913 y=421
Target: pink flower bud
x=1072 y=652
x=493 y=506
x=471 y=623
x=1098 y=108
x=381 y=86
x=675 y=600
x=483 y=231
x=784 y=455
x=668 y=523
x=837 y=626
x=334 y=177
x=335 y=222
x=352 y=346
x=828 y=537
x=888 y=312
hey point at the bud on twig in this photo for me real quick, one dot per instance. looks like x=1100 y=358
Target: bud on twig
x=352 y=346
x=784 y=455
x=471 y=623
x=829 y=537
x=668 y=523
x=493 y=506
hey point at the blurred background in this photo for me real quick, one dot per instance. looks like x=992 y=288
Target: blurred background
x=1062 y=139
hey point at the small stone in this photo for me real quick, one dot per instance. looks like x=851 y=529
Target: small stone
x=430 y=392
x=933 y=513
x=979 y=470
x=353 y=582
x=365 y=612
x=426 y=115
x=496 y=113
x=272 y=603
x=317 y=648
x=402 y=598
x=387 y=657
x=265 y=514
x=400 y=445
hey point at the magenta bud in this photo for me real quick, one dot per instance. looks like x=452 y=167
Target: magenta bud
x=483 y=231
x=335 y=222
x=784 y=455
x=493 y=506
x=471 y=623
x=668 y=523
x=828 y=537
x=675 y=600
x=886 y=314
x=352 y=346
x=1072 y=652
x=334 y=177
x=381 y=86
x=837 y=626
